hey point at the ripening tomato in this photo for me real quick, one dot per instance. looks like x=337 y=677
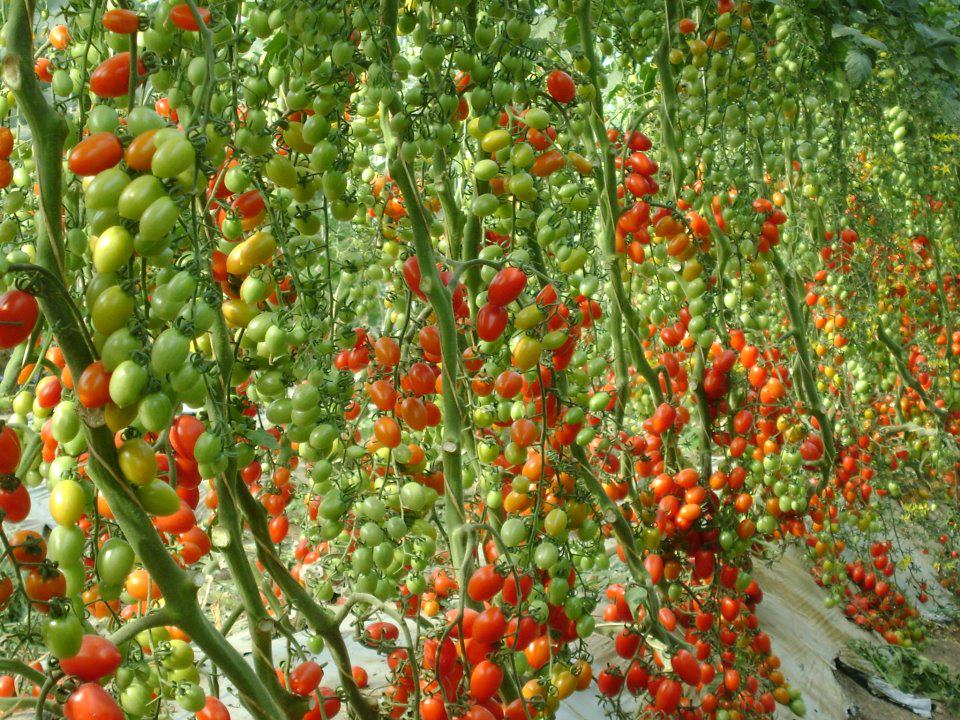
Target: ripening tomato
x=59 y=36
x=139 y=152
x=561 y=87
x=93 y=388
x=29 y=547
x=18 y=315
x=42 y=584
x=387 y=431
x=111 y=78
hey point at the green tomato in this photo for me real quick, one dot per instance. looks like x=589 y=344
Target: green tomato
x=111 y=310
x=208 y=447
x=156 y=222
x=155 y=412
x=102 y=118
x=118 y=347
x=103 y=192
x=127 y=383
x=513 y=532
x=113 y=249
x=139 y=195
x=115 y=561
x=65 y=544
x=158 y=498
x=169 y=351
x=137 y=699
x=190 y=697
x=141 y=119
x=65 y=423
x=173 y=158
x=63 y=635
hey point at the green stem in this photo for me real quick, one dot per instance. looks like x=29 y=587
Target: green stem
x=621 y=307
x=132 y=628
x=668 y=109
x=12 y=666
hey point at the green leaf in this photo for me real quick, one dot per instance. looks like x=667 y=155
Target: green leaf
x=948 y=60
x=276 y=44
x=838 y=31
x=937 y=37
x=571 y=34
x=263 y=438
x=859 y=67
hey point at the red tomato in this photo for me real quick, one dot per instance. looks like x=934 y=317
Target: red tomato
x=305 y=677
x=182 y=16
x=485 y=679
x=668 y=696
x=99 y=152
x=177 y=522
x=123 y=22
x=506 y=286
x=42 y=68
x=484 y=583
x=91 y=702
x=18 y=315
x=561 y=86
x=213 y=710
x=184 y=433
x=15 y=503
x=111 y=78
x=491 y=322
x=489 y=626
x=609 y=681
x=98 y=658
x=686 y=666
x=9 y=450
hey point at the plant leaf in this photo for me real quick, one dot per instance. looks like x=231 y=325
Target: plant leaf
x=937 y=37
x=859 y=67
x=839 y=30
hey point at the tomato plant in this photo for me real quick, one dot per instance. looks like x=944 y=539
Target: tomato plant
x=533 y=326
